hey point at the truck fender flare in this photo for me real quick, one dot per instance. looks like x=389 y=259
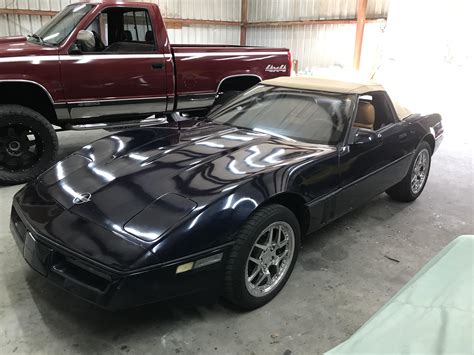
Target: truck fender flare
x=29 y=82
x=236 y=76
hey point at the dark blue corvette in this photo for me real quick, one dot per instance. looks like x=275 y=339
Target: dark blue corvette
x=152 y=213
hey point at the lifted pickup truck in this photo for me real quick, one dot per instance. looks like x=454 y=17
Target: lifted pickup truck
x=110 y=64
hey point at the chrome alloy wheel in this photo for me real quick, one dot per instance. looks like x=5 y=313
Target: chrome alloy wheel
x=420 y=171
x=269 y=259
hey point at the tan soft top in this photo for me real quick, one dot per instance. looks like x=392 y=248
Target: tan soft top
x=330 y=85
x=322 y=84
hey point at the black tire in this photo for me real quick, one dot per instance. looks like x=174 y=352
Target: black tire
x=403 y=191
x=235 y=289
x=22 y=159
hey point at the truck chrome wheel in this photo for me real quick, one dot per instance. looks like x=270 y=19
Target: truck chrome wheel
x=420 y=170
x=269 y=259
x=18 y=147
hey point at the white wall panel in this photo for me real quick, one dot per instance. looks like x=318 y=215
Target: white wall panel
x=287 y=10
x=428 y=59
x=205 y=35
x=322 y=46
x=319 y=46
x=224 y=10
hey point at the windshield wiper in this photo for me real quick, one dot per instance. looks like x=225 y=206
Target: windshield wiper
x=38 y=38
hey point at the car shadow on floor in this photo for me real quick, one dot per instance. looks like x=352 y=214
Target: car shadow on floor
x=358 y=223
x=66 y=316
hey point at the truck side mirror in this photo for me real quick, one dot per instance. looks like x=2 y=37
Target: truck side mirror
x=85 y=40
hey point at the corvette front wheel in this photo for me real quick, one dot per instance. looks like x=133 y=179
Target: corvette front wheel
x=263 y=257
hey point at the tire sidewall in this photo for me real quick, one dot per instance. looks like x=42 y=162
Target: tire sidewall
x=13 y=115
x=281 y=214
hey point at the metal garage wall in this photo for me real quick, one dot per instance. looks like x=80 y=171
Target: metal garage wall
x=225 y=10
x=318 y=46
x=205 y=35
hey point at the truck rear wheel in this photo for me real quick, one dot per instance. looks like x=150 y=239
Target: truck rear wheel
x=28 y=144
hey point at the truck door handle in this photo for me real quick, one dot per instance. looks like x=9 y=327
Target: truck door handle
x=157 y=65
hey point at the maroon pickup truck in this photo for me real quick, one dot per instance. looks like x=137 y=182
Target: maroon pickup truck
x=110 y=64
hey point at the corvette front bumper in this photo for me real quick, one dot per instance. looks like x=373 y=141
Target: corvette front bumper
x=113 y=289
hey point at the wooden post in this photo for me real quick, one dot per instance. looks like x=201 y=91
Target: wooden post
x=244 y=20
x=361 y=11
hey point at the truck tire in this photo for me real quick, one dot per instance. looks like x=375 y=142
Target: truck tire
x=28 y=144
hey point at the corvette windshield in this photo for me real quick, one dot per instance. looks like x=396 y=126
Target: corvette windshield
x=55 y=31
x=302 y=115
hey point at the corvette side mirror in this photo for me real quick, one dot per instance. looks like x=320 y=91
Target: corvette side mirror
x=363 y=136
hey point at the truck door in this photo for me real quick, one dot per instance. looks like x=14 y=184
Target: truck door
x=114 y=67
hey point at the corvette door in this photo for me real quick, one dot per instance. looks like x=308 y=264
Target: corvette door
x=378 y=157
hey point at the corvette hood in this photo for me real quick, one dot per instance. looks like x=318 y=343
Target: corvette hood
x=115 y=178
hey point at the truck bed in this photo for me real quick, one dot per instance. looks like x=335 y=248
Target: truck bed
x=200 y=69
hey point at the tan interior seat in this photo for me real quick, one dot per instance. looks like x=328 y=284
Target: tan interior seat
x=365 y=115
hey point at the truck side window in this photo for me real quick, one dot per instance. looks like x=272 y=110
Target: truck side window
x=121 y=30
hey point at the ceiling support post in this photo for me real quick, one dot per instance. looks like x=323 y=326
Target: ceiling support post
x=244 y=21
x=361 y=12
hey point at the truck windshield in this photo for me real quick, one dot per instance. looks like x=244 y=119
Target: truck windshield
x=55 y=31
x=302 y=115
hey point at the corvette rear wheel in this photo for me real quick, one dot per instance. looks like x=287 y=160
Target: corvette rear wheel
x=414 y=182
x=263 y=257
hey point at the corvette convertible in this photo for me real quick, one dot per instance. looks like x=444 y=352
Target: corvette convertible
x=219 y=203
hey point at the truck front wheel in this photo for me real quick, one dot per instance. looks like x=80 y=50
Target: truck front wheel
x=28 y=144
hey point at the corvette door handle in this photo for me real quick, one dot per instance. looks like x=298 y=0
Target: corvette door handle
x=157 y=65
x=402 y=136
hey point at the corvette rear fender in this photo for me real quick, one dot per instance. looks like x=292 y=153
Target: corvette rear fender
x=431 y=141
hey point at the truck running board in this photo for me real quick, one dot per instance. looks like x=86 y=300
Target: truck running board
x=118 y=125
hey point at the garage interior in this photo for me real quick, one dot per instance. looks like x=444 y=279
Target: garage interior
x=420 y=50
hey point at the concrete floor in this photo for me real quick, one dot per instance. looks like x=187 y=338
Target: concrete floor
x=340 y=280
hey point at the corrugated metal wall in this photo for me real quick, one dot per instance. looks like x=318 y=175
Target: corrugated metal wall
x=319 y=46
x=225 y=10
